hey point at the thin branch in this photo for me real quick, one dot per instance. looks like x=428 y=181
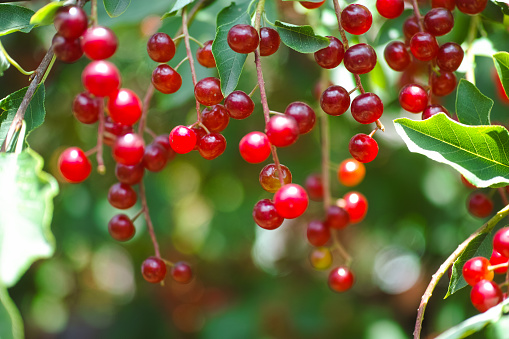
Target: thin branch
x=150 y=226
x=100 y=137
x=470 y=53
x=191 y=60
x=324 y=124
x=341 y=249
x=418 y=15
x=93 y=12
x=146 y=105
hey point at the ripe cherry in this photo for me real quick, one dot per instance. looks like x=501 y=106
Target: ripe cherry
x=438 y=21
x=200 y=133
x=164 y=140
x=124 y=107
x=181 y=272
x=356 y=205
x=101 y=78
x=66 y=50
x=211 y=145
x=367 y=108
x=341 y=279
x=269 y=177
x=70 y=21
x=396 y=56
x=254 y=147
x=208 y=91
x=204 y=55
x=501 y=241
x=121 y=227
x=311 y=4
x=215 y=118
x=160 y=47
x=335 y=100
x=363 y=148
x=356 y=19
x=485 y=294
x=291 y=201
x=423 y=46
x=443 y=84
x=85 y=108
x=266 y=216
x=303 y=114
x=498 y=259
x=282 y=130
x=128 y=149
x=390 y=9
x=269 y=41
x=351 y=172
x=336 y=217
x=243 y=39
x=481 y=206
x=113 y=130
x=166 y=80
x=153 y=270
x=317 y=233
x=239 y=105
x=130 y=175
x=471 y=7
x=321 y=258
x=410 y=27
x=155 y=157
x=332 y=55
x=74 y=165
x=431 y=110
x=122 y=196
x=314 y=187
x=449 y=57
x=449 y=4
x=182 y=139
x=360 y=59
x=476 y=269
x=413 y=98
x=99 y=43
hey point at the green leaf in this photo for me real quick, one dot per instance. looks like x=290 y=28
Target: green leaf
x=300 y=38
x=503 y=5
x=11 y=324
x=116 y=7
x=4 y=63
x=46 y=14
x=480 y=153
x=477 y=323
x=472 y=107
x=34 y=115
x=229 y=63
x=26 y=209
x=175 y=6
x=501 y=61
x=15 y=18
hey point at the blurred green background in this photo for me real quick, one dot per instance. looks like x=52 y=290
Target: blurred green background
x=249 y=283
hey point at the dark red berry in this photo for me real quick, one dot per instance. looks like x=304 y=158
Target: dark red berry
x=128 y=149
x=208 y=91
x=303 y=114
x=337 y=217
x=341 y=279
x=239 y=105
x=160 y=47
x=200 y=133
x=282 y=130
x=155 y=157
x=113 y=130
x=254 y=147
x=413 y=98
x=363 y=148
x=266 y=216
x=124 y=107
x=396 y=56
x=243 y=39
x=449 y=57
x=356 y=19
x=424 y=46
x=367 y=108
x=291 y=201
x=85 y=108
x=66 y=50
x=122 y=196
x=204 y=55
x=390 y=9
x=153 y=270
x=360 y=59
x=215 y=118
x=74 y=165
x=410 y=27
x=332 y=55
x=449 y=4
x=130 y=175
x=182 y=139
x=481 y=206
x=101 y=78
x=311 y=4
x=166 y=80
x=356 y=205
x=438 y=21
x=269 y=41
x=314 y=187
x=431 y=110
x=99 y=43
x=181 y=272
x=443 y=84
x=70 y=21
x=501 y=241
x=335 y=100
x=211 y=145
x=121 y=227
x=318 y=234
x=471 y=7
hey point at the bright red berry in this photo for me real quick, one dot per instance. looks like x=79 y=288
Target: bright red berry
x=363 y=148
x=166 y=80
x=291 y=201
x=204 y=55
x=99 y=43
x=413 y=98
x=351 y=172
x=282 y=130
x=476 y=269
x=153 y=270
x=498 y=259
x=243 y=39
x=121 y=227
x=367 y=108
x=182 y=139
x=101 y=78
x=341 y=279
x=356 y=205
x=181 y=272
x=124 y=107
x=128 y=149
x=74 y=165
x=485 y=294
x=501 y=241
x=208 y=91
x=160 y=47
x=254 y=147
x=266 y=216
x=390 y=9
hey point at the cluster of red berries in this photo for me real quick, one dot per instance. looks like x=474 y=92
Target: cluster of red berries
x=478 y=272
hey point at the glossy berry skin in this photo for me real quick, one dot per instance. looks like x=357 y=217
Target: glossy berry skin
x=101 y=78
x=121 y=227
x=66 y=50
x=336 y=217
x=269 y=41
x=498 y=259
x=332 y=55
x=113 y=130
x=211 y=145
x=431 y=110
x=363 y=148
x=266 y=216
x=155 y=157
x=317 y=233
x=471 y=7
x=74 y=165
x=124 y=107
x=269 y=177
x=341 y=279
x=208 y=91
x=314 y=187
x=160 y=47
x=200 y=133
x=311 y=5
x=215 y=118
x=321 y=258
x=70 y=21
x=254 y=147
x=291 y=201
x=351 y=172
x=390 y=9
x=396 y=56
x=367 y=108
x=356 y=19
x=130 y=175
x=360 y=59
x=166 y=80
x=480 y=206
x=413 y=98
x=164 y=140
x=243 y=39
x=129 y=149
x=303 y=114
x=485 y=294
x=449 y=4
x=99 y=43
x=239 y=105
x=122 y=196
x=153 y=270
x=443 y=84
x=476 y=269
x=282 y=130
x=410 y=27
x=449 y=57
x=356 y=205
x=182 y=139
x=438 y=21
x=424 y=46
x=204 y=55
x=181 y=272
x=85 y=108
x=501 y=241
x=335 y=100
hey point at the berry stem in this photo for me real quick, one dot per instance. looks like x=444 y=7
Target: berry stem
x=150 y=226
x=133 y=219
x=190 y=57
x=100 y=135
x=180 y=63
x=13 y=62
x=93 y=12
x=146 y=105
x=151 y=132
x=418 y=15
x=324 y=124
x=353 y=90
x=341 y=249
x=373 y=132
x=495 y=267
x=486 y=228
x=253 y=91
x=501 y=190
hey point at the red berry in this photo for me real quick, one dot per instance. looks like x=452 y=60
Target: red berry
x=85 y=108
x=204 y=55
x=318 y=234
x=208 y=91
x=254 y=147
x=182 y=139
x=423 y=46
x=166 y=80
x=476 y=269
x=397 y=56
x=413 y=98
x=351 y=172
x=266 y=216
x=211 y=145
x=215 y=118
x=449 y=57
x=153 y=270
x=341 y=279
x=449 y=4
x=160 y=47
x=303 y=114
x=311 y=4
x=200 y=133
x=390 y=9
x=501 y=241
x=181 y=272
x=155 y=157
x=128 y=149
x=269 y=177
x=410 y=27
x=314 y=187
x=356 y=205
x=70 y=21
x=431 y=110
x=130 y=175
x=336 y=217
x=481 y=206
x=282 y=130
x=101 y=78
x=122 y=196
x=66 y=50
x=243 y=39
x=485 y=294
x=443 y=84
x=291 y=201
x=498 y=259
x=239 y=105
x=124 y=107
x=356 y=19
x=99 y=43
x=438 y=21
x=360 y=59
x=471 y=7
x=74 y=165
x=367 y=108
x=335 y=100
x=363 y=148
x=269 y=41
x=121 y=227
x=113 y=130
x=332 y=55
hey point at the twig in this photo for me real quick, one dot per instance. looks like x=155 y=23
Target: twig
x=418 y=15
x=342 y=251
x=191 y=60
x=150 y=226
x=100 y=135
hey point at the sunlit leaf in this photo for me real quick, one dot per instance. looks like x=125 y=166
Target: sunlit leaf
x=175 y=6
x=116 y=7
x=46 y=14
x=300 y=38
x=472 y=107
